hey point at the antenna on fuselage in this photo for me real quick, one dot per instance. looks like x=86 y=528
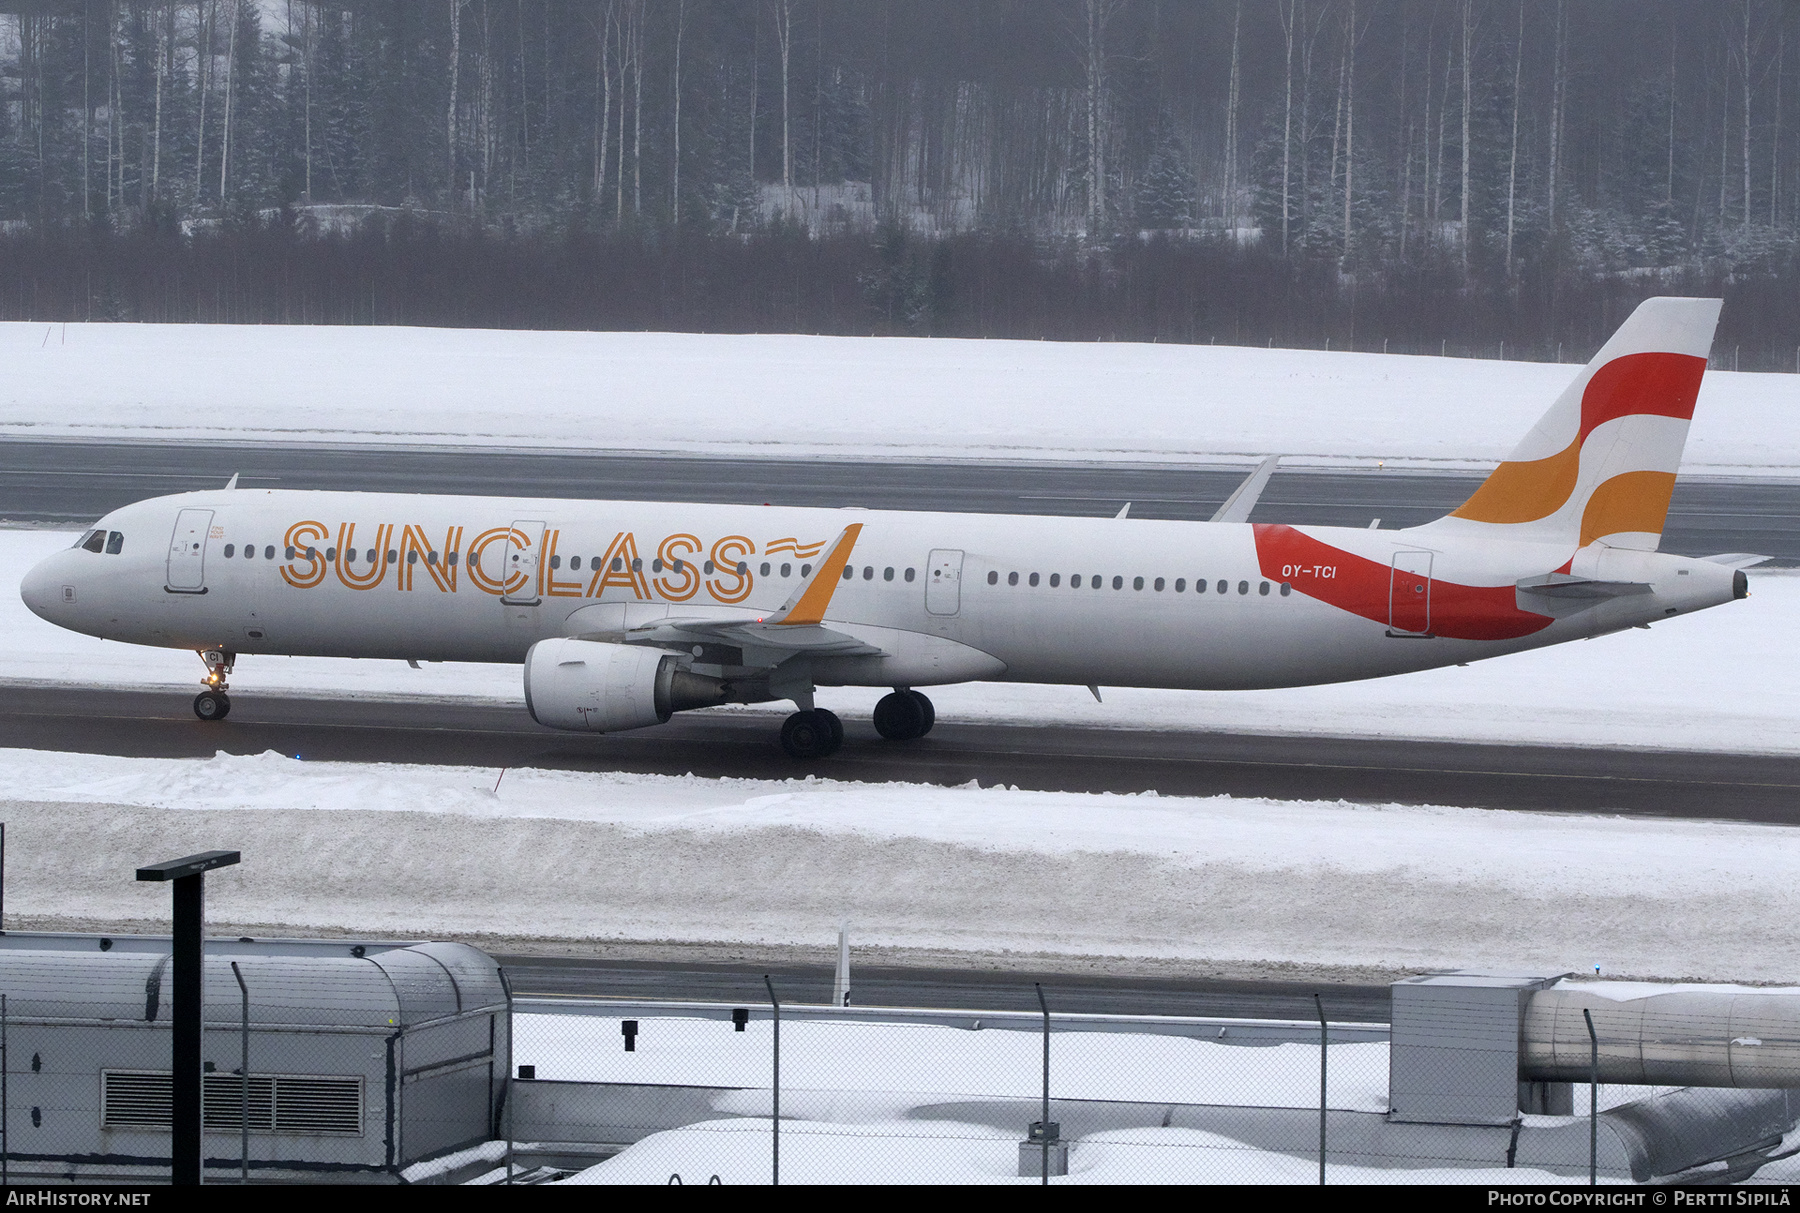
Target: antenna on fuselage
x=232 y=483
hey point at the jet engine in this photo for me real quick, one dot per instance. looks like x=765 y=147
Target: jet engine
x=594 y=687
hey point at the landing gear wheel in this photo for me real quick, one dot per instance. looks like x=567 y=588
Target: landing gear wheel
x=836 y=726
x=815 y=734
x=930 y=712
x=902 y=715
x=212 y=705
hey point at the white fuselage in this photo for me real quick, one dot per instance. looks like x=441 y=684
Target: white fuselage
x=945 y=597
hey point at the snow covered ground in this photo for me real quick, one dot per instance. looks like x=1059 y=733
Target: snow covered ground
x=844 y=396
x=1712 y=681
x=417 y=850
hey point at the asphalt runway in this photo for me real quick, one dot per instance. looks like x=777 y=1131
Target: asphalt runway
x=957 y=989
x=73 y=483
x=1656 y=784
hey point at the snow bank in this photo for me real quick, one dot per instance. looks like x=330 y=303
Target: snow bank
x=1711 y=681
x=861 y=397
x=415 y=850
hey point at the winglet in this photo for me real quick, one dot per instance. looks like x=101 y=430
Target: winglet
x=813 y=595
x=1237 y=507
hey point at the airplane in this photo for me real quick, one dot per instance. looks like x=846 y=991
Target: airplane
x=623 y=613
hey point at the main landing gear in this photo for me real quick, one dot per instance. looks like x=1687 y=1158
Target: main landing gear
x=901 y=716
x=904 y=715
x=213 y=703
x=814 y=734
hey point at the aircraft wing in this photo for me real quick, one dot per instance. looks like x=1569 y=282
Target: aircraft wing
x=794 y=628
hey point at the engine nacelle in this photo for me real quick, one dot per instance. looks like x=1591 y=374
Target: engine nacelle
x=593 y=687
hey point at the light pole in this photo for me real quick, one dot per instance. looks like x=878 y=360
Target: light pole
x=189 y=877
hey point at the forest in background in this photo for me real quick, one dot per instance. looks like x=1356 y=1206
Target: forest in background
x=1472 y=176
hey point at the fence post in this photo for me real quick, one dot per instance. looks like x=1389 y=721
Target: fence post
x=244 y=1074
x=1044 y=1170
x=775 y=1120
x=5 y=1141
x=1323 y=1105
x=1593 y=1100
x=507 y=1092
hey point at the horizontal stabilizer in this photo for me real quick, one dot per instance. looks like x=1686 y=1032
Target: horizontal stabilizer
x=1237 y=507
x=1565 y=585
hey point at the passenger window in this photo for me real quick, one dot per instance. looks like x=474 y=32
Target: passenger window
x=909 y=574
x=330 y=554
x=1096 y=579
x=618 y=564
x=1223 y=586
x=655 y=565
x=1263 y=589
x=743 y=568
x=575 y=563
x=765 y=568
x=95 y=541
x=412 y=557
x=392 y=556
x=115 y=543
x=450 y=560
x=1180 y=584
x=249 y=551
x=1137 y=583
x=312 y=553
x=230 y=551
x=1119 y=583
x=1012 y=579
x=1074 y=581
x=269 y=552
x=887 y=574
x=1033 y=579
x=868 y=572
x=1159 y=585
x=806 y=570
x=637 y=565
x=993 y=577
x=1055 y=580
x=1286 y=589
x=787 y=570
x=430 y=557
x=290 y=551
x=849 y=572
x=707 y=568
x=1243 y=587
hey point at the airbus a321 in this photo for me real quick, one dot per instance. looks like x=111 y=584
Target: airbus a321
x=625 y=612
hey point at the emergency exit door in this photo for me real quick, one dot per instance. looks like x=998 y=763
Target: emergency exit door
x=1409 y=595
x=943 y=582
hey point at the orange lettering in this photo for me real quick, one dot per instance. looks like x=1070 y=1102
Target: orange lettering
x=673 y=553
x=378 y=557
x=296 y=538
x=727 y=554
x=629 y=573
x=547 y=570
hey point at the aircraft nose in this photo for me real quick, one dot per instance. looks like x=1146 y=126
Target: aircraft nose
x=42 y=589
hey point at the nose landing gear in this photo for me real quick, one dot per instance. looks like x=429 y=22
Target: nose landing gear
x=213 y=703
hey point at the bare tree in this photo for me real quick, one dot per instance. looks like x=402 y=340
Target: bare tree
x=450 y=111
x=1349 y=124
x=1097 y=15
x=784 y=35
x=1558 y=87
x=1746 y=134
x=1468 y=236
x=1512 y=164
x=230 y=66
x=675 y=189
x=1289 y=16
x=1228 y=202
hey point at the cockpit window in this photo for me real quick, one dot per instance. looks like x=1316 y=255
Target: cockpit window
x=115 y=543
x=94 y=542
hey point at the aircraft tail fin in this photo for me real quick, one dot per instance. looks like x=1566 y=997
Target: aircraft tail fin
x=1601 y=464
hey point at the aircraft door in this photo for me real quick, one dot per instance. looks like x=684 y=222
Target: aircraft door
x=943 y=582
x=519 y=564
x=1409 y=595
x=187 y=552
